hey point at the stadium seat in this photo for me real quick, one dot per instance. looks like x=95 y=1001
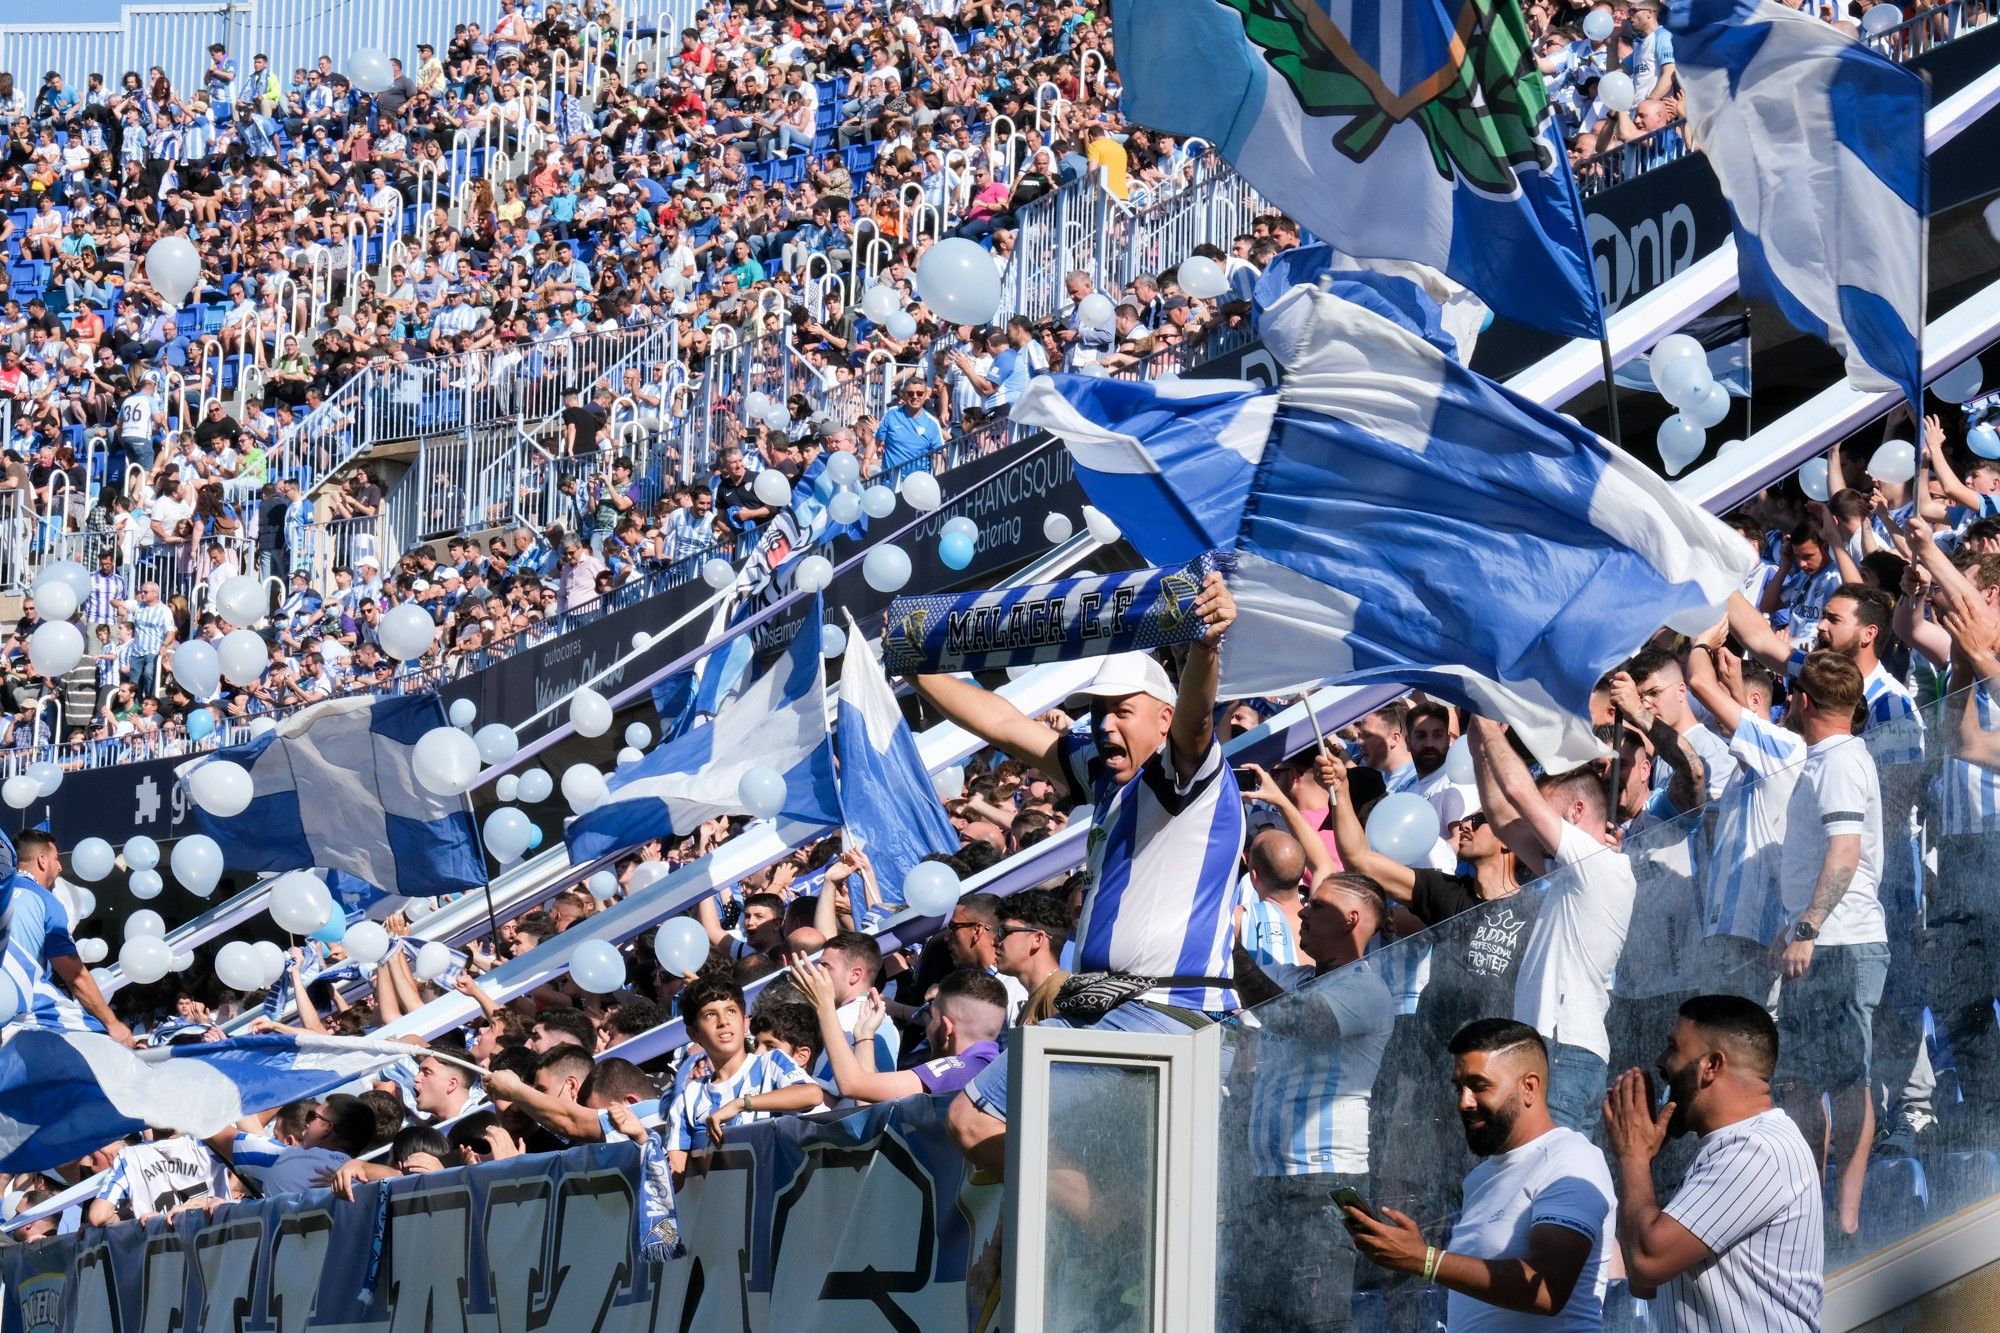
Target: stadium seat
x=1966 y=1178
x=1898 y=1195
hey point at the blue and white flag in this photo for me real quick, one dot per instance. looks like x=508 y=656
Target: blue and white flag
x=1168 y=460
x=778 y=722
x=887 y=801
x=1414 y=295
x=1413 y=522
x=1394 y=129
x=1818 y=144
x=63 y=1094
x=333 y=786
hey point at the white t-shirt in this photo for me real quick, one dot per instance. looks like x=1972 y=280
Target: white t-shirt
x=1559 y=1179
x=153 y=1177
x=1752 y=1196
x=1564 y=983
x=1317 y=1056
x=1837 y=792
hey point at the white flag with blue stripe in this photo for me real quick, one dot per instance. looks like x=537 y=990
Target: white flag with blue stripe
x=63 y=1094
x=888 y=804
x=1413 y=522
x=1818 y=144
x=778 y=722
x=334 y=787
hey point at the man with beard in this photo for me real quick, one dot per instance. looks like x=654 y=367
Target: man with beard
x=1528 y=1248
x=1740 y=1243
x=1427 y=734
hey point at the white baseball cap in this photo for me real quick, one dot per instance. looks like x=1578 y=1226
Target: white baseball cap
x=1130 y=673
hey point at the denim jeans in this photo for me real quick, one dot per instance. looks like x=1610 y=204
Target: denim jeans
x=1576 y=1088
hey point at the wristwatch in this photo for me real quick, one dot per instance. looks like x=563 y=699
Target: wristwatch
x=1805 y=931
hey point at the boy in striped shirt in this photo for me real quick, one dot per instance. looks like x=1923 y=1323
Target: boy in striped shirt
x=742 y=1087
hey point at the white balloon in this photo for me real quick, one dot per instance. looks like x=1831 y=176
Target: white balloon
x=238 y=967
x=20 y=791
x=145 y=921
x=221 y=787
x=1616 y=92
x=1709 y=410
x=536 y=786
x=844 y=508
x=1403 y=826
x=54 y=599
x=1201 y=277
x=173 y=268
x=949 y=782
x=921 y=493
x=583 y=787
x=1685 y=380
x=55 y=647
x=589 y=712
x=197 y=863
x=812 y=573
x=273 y=959
x=85 y=901
x=603 y=886
x=717 y=573
x=47 y=776
x=843 y=468
x=145 y=959
x=463 y=713
x=931 y=888
x=960 y=523
x=1895 y=461
x=243 y=600
x=366 y=942
x=681 y=946
x=141 y=852
x=432 y=960
x=1880 y=19
x=1102 y=530
x=1597 y=25
x=1095 y=311
x=368 y=70
x=638 y=735
x=597 y=967
x=1959 y=384
x=878 y=501
x=496 y=742
x=407 y=632
x=92 y=859
x=92 y=951
x=958 y=279
x=901 y=326
x=507 y=786
x=242 y=657
x=145 y=885
x=1056 y=529
x=646 y=872
x=300 y=903
x=183 y=961
x=885 y=568
x=1458 y=766
x=1812 y=479
x=756 y=405
x=879 y=302
x=761 y=791
x=772 y=489
x=1681 y=441
x=446 y=761
x=198 y=669
x=833 y=641
x=508 y=833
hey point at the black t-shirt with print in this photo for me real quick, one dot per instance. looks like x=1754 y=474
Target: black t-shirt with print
x=1475 y=953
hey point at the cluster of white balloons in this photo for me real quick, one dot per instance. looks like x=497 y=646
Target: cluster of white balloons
x=766 y=411
x=57 y=644
x=37 y=781
x=1681 y=374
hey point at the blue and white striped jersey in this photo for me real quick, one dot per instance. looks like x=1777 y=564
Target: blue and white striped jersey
x=1318 y=1052
x=150 y=627
x=154 y=1177
x=1742 y=895
x=686 y=1126
x=1268 y=934
x=274 y=1168
x=1803 y=602
x=1895 y=732
x=1968 y=794
x=1162 y=857
x=37 y=930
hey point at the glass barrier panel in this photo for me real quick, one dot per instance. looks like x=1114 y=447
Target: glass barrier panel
x=1104 y=1124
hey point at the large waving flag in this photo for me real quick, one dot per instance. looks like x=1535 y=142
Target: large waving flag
x=886 y=798
x=778 y=722
x=334 y=787
x=1818 y=144
x=1395 y=129
x=1413 y=522
x=63 y=1094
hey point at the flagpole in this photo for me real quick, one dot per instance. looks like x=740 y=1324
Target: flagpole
x=1611 y=393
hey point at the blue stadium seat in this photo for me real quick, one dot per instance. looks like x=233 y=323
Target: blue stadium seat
x=1898 y=1198
x=1966 y=1178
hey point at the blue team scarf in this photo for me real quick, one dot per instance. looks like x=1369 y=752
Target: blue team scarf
x=1134 y=611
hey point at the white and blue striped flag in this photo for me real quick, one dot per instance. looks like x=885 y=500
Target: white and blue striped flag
x=1413 y=522
x=334 y=787
x=63 y=1094
x=888 y=804
x=1818 y=144
x=778 y=722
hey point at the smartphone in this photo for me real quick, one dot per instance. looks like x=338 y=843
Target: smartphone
x=1244 y=774
x=1348 y=1197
